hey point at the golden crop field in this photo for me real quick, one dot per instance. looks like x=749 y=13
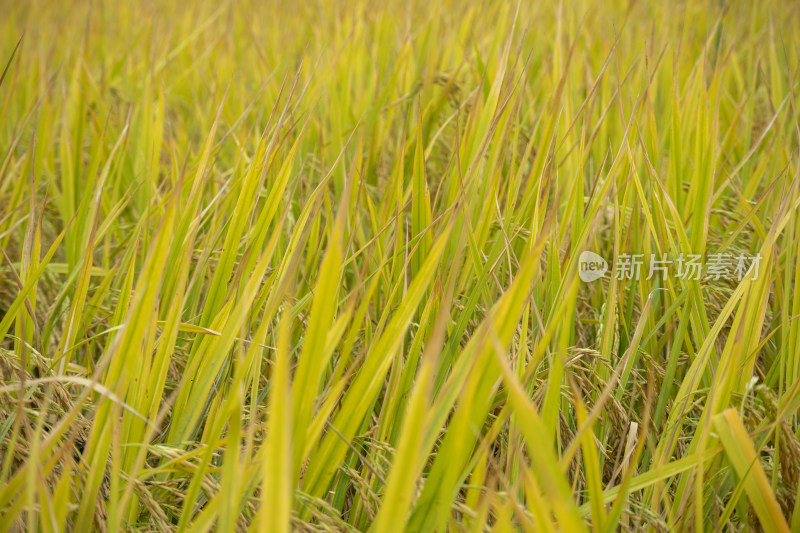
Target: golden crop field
x=399 y=266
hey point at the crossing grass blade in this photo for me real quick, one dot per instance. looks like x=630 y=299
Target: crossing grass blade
x=742 y=456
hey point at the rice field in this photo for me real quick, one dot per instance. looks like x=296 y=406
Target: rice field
x=399 y=266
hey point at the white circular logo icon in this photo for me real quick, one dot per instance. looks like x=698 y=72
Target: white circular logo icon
x=591 y=266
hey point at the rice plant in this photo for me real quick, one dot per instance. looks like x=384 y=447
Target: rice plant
x=385 y=266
